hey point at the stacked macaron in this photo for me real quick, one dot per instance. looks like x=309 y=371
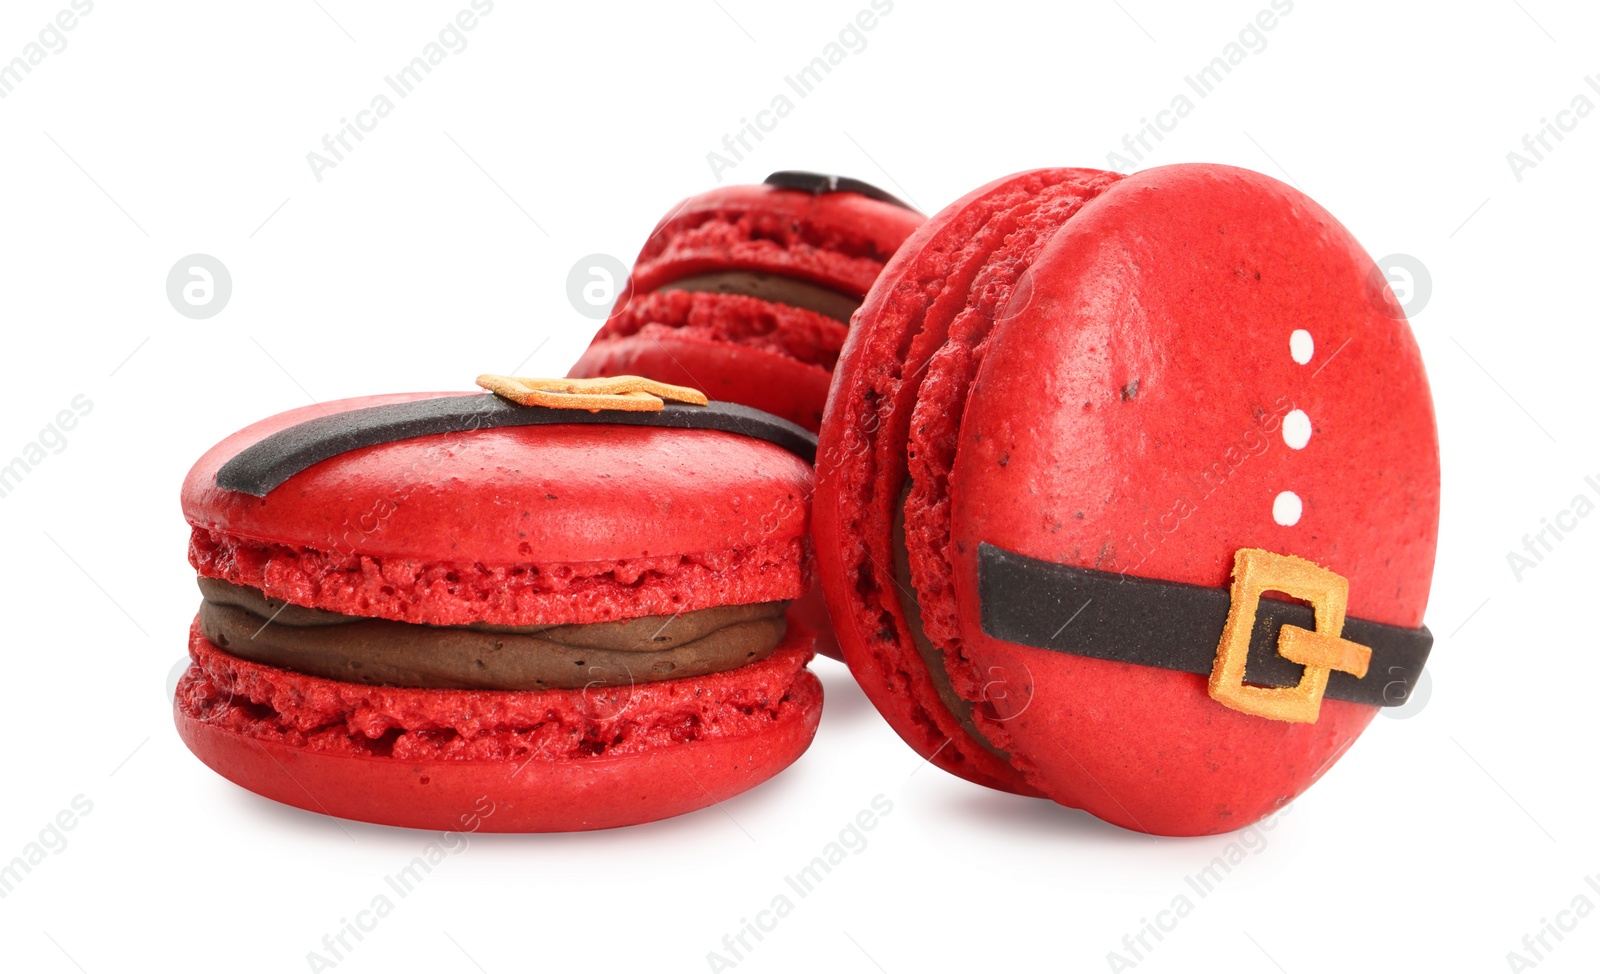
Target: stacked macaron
x=746 y=292
x=1081 y=424
x=413 y=604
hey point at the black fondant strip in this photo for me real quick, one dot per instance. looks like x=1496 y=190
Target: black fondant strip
x=1174 y=626
x=818 y=183
x=261 y=467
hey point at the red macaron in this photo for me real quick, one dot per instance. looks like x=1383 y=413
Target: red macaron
x=418 y=606
x=746 y=292
x=1081 y=425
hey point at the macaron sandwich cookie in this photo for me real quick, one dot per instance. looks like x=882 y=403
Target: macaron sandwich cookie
x=746 y=292
x=566 y=599
x=1128 y=494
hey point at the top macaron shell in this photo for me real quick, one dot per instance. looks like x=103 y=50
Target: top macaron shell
x=1200 y=365
x=837 y=240
x=630 y=504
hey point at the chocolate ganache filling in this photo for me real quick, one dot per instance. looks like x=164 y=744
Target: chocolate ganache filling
x=772 y=287
x=932 y=656
x=245 y=623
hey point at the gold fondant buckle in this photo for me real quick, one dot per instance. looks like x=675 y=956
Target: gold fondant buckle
x=625 y=392
x=1256 y=571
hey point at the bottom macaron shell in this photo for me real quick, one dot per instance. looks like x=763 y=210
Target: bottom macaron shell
x=536 y=793
x=545 y=796
x=755 y=377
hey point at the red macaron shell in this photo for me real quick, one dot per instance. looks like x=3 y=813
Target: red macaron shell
x=740 y=348
x=507 y=525
x=805 y=336
x=862 y=466
x=838 y=240
x=1140 y=408
x=1120 y=374
x=757 y=377
x=552 y=760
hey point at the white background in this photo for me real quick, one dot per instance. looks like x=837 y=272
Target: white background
x=440 y=249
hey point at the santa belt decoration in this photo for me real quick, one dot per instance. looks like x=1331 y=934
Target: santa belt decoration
x=623 y=400
x=1266 y=657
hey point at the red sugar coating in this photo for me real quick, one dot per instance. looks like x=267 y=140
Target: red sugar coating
x=452 y=593
x=803 y=335
x=267 y=704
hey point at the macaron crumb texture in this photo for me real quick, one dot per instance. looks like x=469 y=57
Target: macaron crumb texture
x=264 y=703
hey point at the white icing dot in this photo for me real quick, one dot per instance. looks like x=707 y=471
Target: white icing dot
x=1297 y=429
x=1286 y=508
x=1301 y=346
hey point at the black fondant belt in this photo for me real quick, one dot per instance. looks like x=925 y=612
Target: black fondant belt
x=819 y=184
x=1267 y=657
x=262 y=466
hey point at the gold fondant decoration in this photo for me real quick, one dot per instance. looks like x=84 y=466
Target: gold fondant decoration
x=630 y=393
x=1256 y=571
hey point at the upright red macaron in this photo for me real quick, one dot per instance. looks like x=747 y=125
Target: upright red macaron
x=418 y=607
x=746 y=292
x=1082 y=423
